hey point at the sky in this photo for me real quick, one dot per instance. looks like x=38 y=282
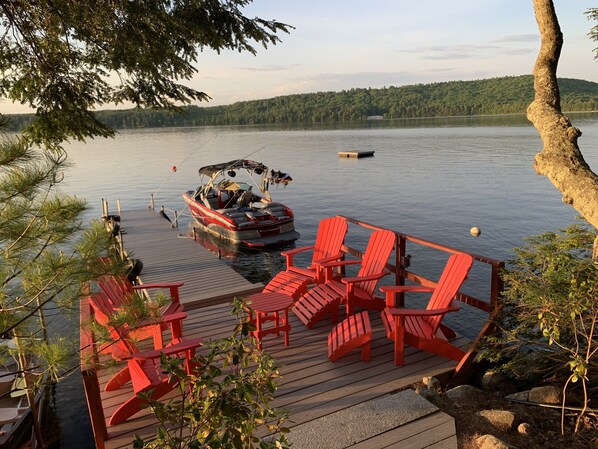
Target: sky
x=342 y=44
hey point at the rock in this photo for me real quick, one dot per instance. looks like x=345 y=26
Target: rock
x=431 y=382
x=492 y=381
x=545 y=395
x=501 y=419
x=519 y=396
x=524 y=428
x=465 y=394
x=428 y=394
x=491 y=442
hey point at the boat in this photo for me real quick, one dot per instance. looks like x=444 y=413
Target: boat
x=16 y=426
x=231 y=210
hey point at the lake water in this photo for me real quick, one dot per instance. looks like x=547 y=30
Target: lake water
x=433 y=178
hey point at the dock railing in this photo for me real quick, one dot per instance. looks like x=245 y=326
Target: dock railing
x=89 y=362
x=399 y=268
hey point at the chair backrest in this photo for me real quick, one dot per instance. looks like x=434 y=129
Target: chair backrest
x=454 y=274
x=330 y=237
x=116 y=288
x=122 y=346
x=375 y=258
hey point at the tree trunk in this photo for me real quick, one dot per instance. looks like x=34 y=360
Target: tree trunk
x=560 y=160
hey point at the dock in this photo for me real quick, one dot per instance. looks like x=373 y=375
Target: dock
x=313 y=390
x=355 y=154
x=169 y=255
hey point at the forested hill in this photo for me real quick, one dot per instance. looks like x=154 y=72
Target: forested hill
x=489 y=96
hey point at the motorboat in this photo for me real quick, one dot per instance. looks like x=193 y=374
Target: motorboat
x=228 y=207
x=16 y=427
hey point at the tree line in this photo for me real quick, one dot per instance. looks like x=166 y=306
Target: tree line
x=481 y=97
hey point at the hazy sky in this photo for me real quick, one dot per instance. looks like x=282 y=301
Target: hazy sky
x=342 y=44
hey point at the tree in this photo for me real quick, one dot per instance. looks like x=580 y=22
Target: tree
x=64 y=58
x=45 y=260
x=560 y=160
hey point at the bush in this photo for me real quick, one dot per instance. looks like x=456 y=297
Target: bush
x=547 y=326
x=226 y=402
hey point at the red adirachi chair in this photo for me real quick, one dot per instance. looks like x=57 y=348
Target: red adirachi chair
x=423 y=329
x=294 y=280
x=358 y=291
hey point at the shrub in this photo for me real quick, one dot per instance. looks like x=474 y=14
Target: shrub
x=226 y=402
x=548 y=323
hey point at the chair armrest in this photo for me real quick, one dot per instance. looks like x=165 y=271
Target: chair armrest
x=405 y=288
x=340 y=263
x=419 y=312
x=371 y=277
x=172 y=286
x=292 y=252
x=328 y=266
x=392 y=290
x=169 y=350
x=328 y=259
x=158 y=321
x=158 y=285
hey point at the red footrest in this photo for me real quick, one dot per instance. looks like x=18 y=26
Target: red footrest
x=352 y=333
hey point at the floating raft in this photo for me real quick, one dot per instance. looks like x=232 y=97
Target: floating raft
x=355 y=154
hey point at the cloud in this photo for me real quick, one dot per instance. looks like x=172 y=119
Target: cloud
x=267 y=68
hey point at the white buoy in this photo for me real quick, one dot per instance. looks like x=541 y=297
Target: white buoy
x=475 y=231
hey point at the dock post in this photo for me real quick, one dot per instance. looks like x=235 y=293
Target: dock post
x=176 y=220
x=151 y=204
x=118 y=206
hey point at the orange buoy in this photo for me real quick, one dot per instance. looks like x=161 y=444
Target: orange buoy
x=174 y=168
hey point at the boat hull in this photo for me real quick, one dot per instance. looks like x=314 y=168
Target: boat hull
x=269 y=225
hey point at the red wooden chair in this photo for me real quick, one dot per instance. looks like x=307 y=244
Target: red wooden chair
x=329 y=240
x=423 y=329
x=123 y=349
x=118 y=290
x=357 y=291
x=143 y=368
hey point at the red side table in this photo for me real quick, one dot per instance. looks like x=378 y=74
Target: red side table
x=267 y=307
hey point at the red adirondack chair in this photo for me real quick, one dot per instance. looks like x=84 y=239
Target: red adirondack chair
x=118 y=290
x=123 y=349
x=423 y=329
x=357 y=291
x=329 y=240
x=143 y=368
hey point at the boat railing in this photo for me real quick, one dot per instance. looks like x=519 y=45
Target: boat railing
x=402 y=260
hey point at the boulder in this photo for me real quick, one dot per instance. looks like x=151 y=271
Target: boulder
x=546 y=395
x=502 y=419
x=465 y=395
x=491 y=442
x=519 y=396
x=428 y=394
x=497 y=382
x=524 y=428
x=431 y=382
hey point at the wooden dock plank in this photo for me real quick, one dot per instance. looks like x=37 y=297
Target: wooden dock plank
x=167 y=257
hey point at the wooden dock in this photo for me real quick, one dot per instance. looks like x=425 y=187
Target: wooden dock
x=355 y=154
x=312 y=386
x=167 y=255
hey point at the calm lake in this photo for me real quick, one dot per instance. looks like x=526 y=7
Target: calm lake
x=433 y=178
